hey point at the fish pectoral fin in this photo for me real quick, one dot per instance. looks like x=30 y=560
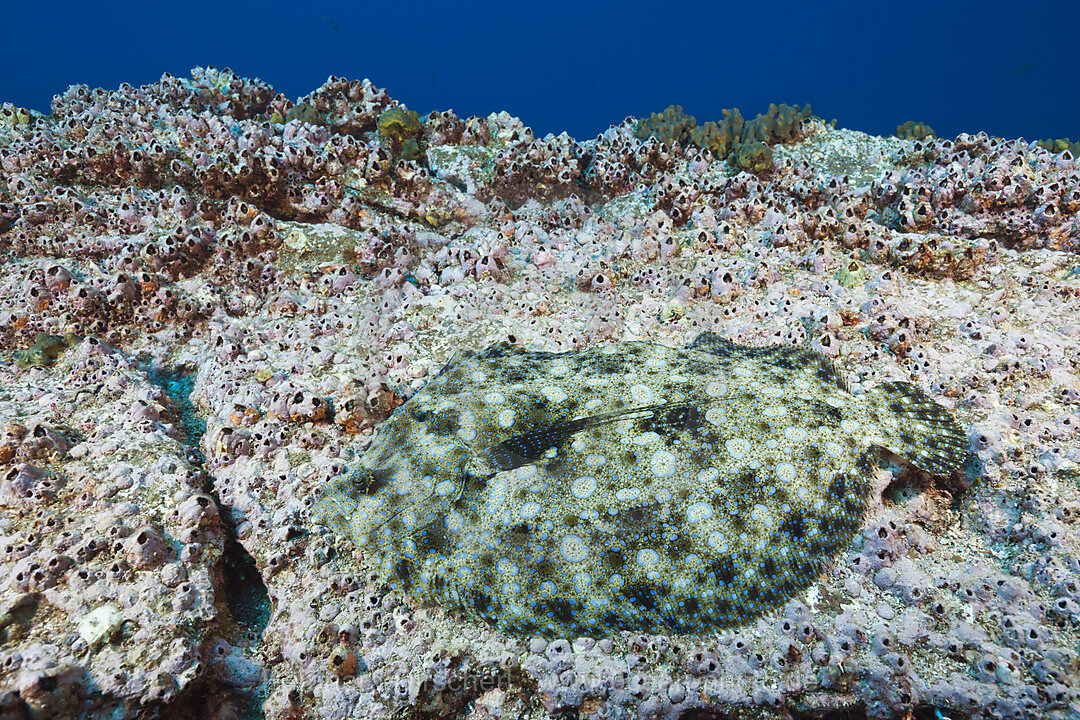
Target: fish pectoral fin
x=528 y=447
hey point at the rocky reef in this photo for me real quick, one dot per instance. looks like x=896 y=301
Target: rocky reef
x=212 y=296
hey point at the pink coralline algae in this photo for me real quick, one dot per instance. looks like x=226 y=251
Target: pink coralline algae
x=214 y=297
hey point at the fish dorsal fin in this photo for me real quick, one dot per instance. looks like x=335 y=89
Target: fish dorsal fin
x=800 y=358
x=710 y=342
x=713 y=344
x=782 y=356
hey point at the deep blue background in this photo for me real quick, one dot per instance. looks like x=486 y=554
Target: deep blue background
x=959 y=65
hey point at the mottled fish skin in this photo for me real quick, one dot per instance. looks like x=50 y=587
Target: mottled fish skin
x=628 y=487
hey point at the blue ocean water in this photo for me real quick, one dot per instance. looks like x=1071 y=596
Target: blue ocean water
x=959 y=65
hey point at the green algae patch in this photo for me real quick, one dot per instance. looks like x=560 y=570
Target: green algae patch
x=755 y=157
x=914 y=130
x=400 y=128
x=305 y=112
x=1059 y=145
x=746 y=144
x=45 y=350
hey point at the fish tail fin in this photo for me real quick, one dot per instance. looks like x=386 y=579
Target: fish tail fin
x=917 y=429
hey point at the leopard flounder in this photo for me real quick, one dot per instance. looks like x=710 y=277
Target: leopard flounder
x=628 y=487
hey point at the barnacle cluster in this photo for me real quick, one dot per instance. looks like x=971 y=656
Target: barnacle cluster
x=266 y=288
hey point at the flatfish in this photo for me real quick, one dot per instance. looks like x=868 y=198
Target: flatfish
x=632 y=486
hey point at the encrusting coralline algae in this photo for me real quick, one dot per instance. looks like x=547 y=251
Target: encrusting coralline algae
x=629 y=487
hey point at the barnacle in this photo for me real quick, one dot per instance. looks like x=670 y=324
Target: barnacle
x=851 y=274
